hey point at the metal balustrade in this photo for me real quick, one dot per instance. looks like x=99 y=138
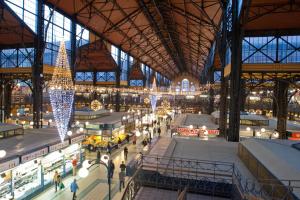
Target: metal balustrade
x=203 y=177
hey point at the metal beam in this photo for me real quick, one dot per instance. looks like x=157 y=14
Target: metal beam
x=157 y=29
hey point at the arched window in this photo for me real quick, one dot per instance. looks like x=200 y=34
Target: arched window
x=192 y=89
x=185 y=85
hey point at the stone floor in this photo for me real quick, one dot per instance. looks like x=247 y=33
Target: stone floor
x=93 y=187
x=147 y=193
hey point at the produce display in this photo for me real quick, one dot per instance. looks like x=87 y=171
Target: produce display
x=95 y=141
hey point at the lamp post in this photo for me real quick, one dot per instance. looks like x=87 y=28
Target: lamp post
x=87 y=164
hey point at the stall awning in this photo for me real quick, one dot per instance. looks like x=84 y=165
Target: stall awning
x=94 y=57
x=14 y=33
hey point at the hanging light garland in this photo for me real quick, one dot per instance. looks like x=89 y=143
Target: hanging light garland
x=61 y=92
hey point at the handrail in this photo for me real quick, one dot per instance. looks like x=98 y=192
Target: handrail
x=203 y=170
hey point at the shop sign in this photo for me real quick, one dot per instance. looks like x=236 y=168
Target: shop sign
x=77 y=139
x=9 y=164
x=58 y=146
x=194 y=132
x=34 y=155
x=92 y=126
x=187 y=131
x=213 y=132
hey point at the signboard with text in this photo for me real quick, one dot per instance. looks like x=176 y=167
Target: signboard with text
x=34 y=155
x=58 y=146
x=77 y=139
x=184 y=131
x=9 y=164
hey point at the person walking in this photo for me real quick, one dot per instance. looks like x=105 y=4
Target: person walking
x=125 y=153
x=108 y=148
x=121 y=180
x=123 y=167
x=55 y=180
x=159 y=131
x=74 y=187
x=111 y=168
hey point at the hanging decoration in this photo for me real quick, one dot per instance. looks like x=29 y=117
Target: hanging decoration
x=165 y=104
x=96 y=105
x=146 y=101
x=153 y=100
x=153 y=96
x=61 y=92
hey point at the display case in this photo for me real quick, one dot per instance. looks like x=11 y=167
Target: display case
x=5 y=186
x=51 y=163
x=26 y=178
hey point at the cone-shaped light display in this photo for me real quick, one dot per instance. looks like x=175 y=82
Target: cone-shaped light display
x=153 y=96
x=61 y=92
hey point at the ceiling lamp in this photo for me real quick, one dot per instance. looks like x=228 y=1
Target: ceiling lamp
x=61 y=92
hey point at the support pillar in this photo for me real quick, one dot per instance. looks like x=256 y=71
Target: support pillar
x=274 y=99
x=73 y=67
x=282 y=99
x=37 y=68
x=243 y=95
x=211 y=92
x=223 y=105
x=235 y=76
x=222 y=47
x=7 y=100
x=118 y=81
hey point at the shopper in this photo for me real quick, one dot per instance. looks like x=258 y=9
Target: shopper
x=108 y=148
x=159 y=131
x=60 y=183
x=125 y=153
x=134 y=139
x=123 y=167
x=74 y=187
x=121 y=180
x=55 y=180
x=111 y=166
x=74 y=165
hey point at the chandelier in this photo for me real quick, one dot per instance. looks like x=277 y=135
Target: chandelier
x=61 y=92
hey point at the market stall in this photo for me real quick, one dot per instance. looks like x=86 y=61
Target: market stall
x=32 y=169
x=106 y=130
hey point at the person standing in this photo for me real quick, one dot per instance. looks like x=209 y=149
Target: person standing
x=134 y=139
x=159 y=131
x=74 y=165
x=111 y=168
x=55 y=180
x=74 y=187
x=125 y=153
x=121 y=180
x=108 y=148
